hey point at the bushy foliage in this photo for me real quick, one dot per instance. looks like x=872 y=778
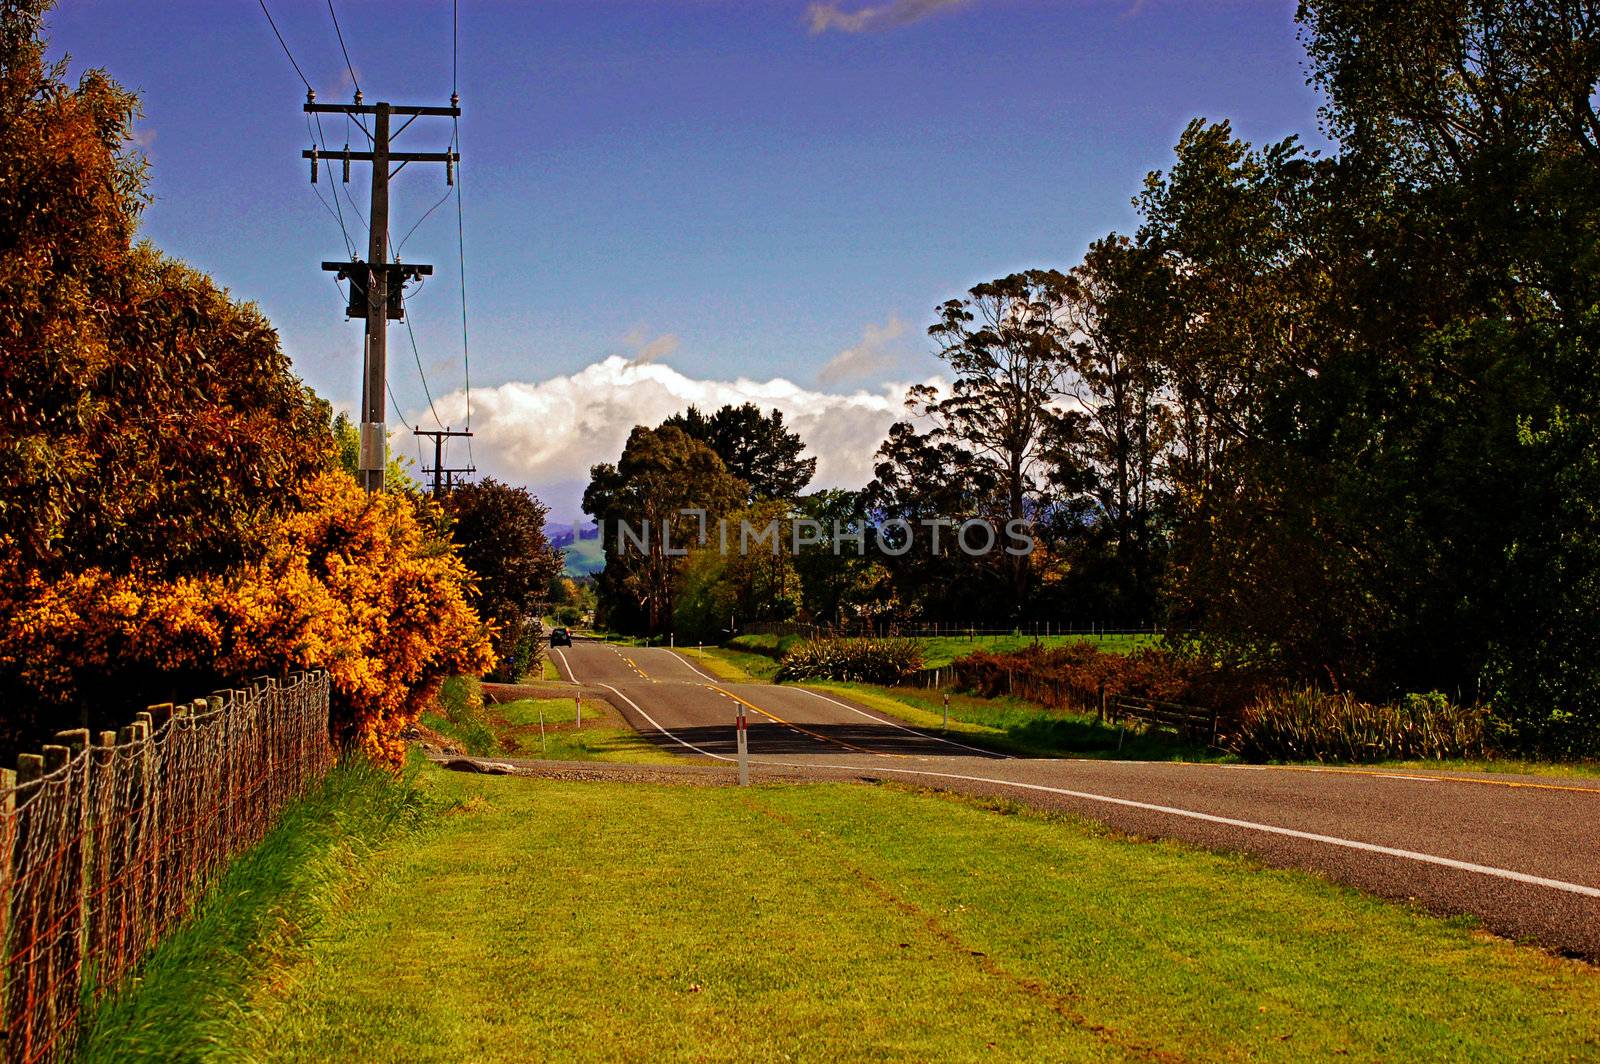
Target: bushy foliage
x=350 y=584
x=1305 y=724
x=870 y=660
x=1147 y=672
x=147 y=417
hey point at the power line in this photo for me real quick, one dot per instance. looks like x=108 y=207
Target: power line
x=461 y=228
x=347 y=64
x=461 y=263
x=284 y=45
x=337 y=211
x=436 y=204
x=417 y=353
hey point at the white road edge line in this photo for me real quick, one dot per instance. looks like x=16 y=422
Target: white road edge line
x=1250 y=825
x=1168 y=810
x=991 y=754
x=657 y=724
x=693 y=666
x=572 y=677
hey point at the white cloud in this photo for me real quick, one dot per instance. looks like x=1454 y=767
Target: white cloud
x=830 y=16
x=867 y=358
x=547 y=434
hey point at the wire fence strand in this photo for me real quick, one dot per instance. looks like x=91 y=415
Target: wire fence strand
x=106 y=842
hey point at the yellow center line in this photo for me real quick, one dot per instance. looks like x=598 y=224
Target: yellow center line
x=1592 y=791
x=787 y=724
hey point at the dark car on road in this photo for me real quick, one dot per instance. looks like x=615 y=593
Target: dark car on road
x=560 y=637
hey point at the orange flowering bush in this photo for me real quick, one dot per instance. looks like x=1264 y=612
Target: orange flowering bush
x=351 y=584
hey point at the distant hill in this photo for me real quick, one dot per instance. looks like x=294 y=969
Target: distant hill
x=580 y=542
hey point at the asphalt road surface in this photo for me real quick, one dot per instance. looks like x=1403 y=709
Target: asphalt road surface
x=1522 y=853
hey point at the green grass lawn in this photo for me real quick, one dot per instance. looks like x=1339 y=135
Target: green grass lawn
x=550 y=920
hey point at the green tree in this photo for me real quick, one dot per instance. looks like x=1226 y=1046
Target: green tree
x=755 y=447
x=1007 y=342
x=640 y=503
x=498 y=530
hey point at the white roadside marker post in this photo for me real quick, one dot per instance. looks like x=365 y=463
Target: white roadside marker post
x=577 y=710
x=744 y=751
x=947 y=711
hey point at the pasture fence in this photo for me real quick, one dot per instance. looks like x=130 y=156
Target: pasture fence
x=107 y=841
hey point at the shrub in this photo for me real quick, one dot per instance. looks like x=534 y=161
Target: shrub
x=881 y=661
x=1305 y=724
x=1148 y=671
x=351 y=584
x=461 y=716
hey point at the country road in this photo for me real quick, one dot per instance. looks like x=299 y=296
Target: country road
x=1521 y=853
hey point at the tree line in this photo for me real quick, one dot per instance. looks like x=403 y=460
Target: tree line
x=1328 y=415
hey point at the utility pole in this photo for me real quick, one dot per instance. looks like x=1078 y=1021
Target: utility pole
x=439 y=436
x=376 y=284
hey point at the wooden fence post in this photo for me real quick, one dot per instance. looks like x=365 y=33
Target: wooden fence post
x=8 y=836
x=22 y=982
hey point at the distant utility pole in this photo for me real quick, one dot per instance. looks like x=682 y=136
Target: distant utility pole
x=376 y=284
x=439 y=436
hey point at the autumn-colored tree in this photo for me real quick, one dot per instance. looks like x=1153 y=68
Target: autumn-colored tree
x=144 y=417
x=351 y=583
x=171 y=515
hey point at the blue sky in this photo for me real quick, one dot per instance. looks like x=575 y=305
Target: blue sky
x=666 y=201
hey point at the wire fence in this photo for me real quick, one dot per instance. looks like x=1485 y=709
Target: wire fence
x=107 y=842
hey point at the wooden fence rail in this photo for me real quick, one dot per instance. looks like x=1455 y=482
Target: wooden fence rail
x=107 y=841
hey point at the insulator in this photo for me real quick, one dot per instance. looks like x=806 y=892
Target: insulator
x=455 y=101
x=311 y=95
x=313 y=164
x=449 y=171
x=358 y=97
x=347 y=164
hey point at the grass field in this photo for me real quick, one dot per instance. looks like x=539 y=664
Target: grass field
x=939 y=651
x=547 y=920
x=604 y=736
x=942 y=650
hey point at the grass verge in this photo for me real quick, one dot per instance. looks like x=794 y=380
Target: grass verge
x=604 y=736
x=740 y=666
x=733 y=665
x=610 y=921
x=194 y=991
